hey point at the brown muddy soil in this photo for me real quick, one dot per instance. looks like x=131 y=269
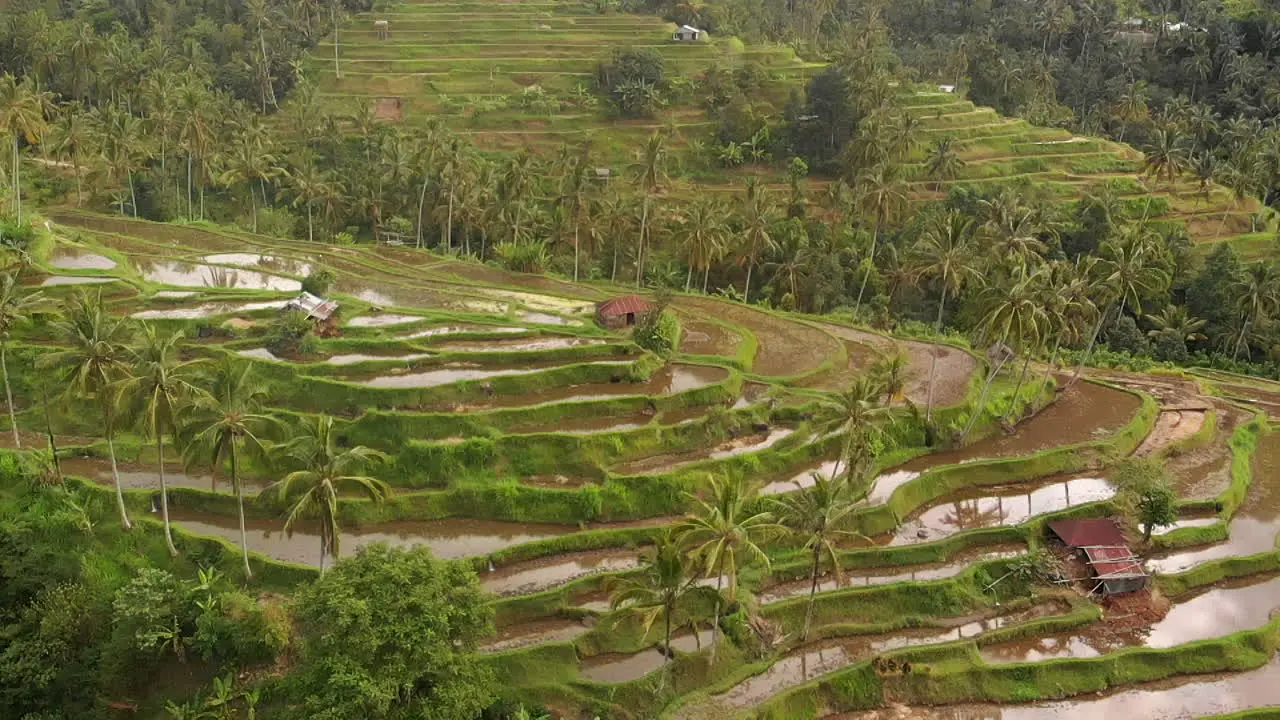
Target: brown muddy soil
x=1204 y=472
x=785 y=347
x=955 y=367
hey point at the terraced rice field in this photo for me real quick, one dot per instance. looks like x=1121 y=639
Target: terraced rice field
x=548 y=453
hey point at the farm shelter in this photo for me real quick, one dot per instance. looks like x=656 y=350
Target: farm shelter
x=687 y=33
x=1102 y=545
x=622 y=311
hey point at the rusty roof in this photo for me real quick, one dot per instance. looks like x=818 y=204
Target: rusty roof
x=1114 y=561
x=623 y=305
x=1083 y=532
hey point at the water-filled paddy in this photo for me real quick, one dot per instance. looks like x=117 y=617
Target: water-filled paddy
x=205 y=310
x=73 y=258
x=538 y=575
x=619 y=668
x=449 y=375
x=186 y=274
x=55 y=280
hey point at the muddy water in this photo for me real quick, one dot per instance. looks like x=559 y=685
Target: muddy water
x=752 y=393
x=999 y=505
x=542 y=318
x=353 y=358
x=588 y=425
x=885 y=576
x=534 y=301
x=1206 y=471
x=1228 y=608
x=801 y=479
x=618 y=668
x=671 y=379
x=383 y=320
x=1186 y=523
x=458 y=329
x=740 y=446
x=1254 y=527
x=1167 y=699
x=515 y=345
x=453 y=538
x=74 y=280
x=449 y=375
x=534 y=633
x=825 y=656
x=135 y=476
x=708 y=338
x=385 y=294
x=174 y=294
x=205 y=310
x=73 y=258
x=185 y=274
x=258 y=354
x=269 y=263
x=544 y=573
x=34 y=439
x=786 y=347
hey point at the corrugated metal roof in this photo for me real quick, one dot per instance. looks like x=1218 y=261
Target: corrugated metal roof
x=1084 y=532
x=623 y=305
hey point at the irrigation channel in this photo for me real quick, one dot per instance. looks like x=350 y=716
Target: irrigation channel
x=459 y=357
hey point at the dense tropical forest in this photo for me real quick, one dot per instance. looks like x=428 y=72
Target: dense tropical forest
x=837 y=159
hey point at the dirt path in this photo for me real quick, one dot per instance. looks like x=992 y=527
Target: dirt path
x=954 y=371
x=1183 y=408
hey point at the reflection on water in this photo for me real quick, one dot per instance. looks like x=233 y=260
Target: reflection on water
x=459 y=329
x=448 y=375
x=514 y=345
x=673 y=378
x=1254 y=527
x=186 y=274
x=74 y=280
x=538 y=575
x=135 y=476
x=205 y=310
x=258 y=354
x=618 y=668
x=1000 y=505
x=534 y=633
x=740 y=446
x=270 y=263
x=383 y=320
x=353 y=358
x=73 y=258
x=454 y=538
x=542 y=318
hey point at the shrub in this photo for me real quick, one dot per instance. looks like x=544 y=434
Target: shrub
x=290 y=334
x=530 y=257
x=633 y=80
x=17 y=235
x=238 y=629
x=658 y=332
x=319 y=281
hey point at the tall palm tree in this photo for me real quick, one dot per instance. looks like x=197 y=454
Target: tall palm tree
x=1012 y=312
x=196 y=135
x=818 y=515
x=942 y=161
x=650 y=171
x=153 y=395
x=1069 y=310
x=756 y=215
x=69 y=138
x=703 y=232
x=1256 y=296
x=1129 y=269
x=882 y=194
x=664 y=578
x=23 y=107
x=574 y=201
x=858 y=415
x=724 y=535
x=324 y=471
x=16 y=306
x=122 y=143
x=945 y=253
x=1166 y=156
x=311 y=184
x=94 y=355
x=221 y=422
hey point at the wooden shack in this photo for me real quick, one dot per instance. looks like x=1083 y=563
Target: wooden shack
x=621 y=312
x=1102 y=546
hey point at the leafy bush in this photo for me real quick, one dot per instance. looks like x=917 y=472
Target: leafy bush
x=238 y=629
x=319 y=281
x=17 y=235
x=290 y=334
x=633 y=80
x=530 y=257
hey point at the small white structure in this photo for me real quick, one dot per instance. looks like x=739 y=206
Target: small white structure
x=383 y=29
x=687 y=33
x=947 y=88
x=317 y=309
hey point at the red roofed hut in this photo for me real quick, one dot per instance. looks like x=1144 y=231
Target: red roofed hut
x=622 y=311
x=1100 y=541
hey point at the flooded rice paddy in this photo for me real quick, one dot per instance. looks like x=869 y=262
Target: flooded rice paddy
x=186 y=274
x=708 y=338
x=137 y=476
x=542 y=318
x=673 y=378
x=999 y=505
x=867 y=577
x=534 y=633
x=1256 y=523
x=55 y=280
x=786 y=348
x=450 y=539
x=542 y=574
x=620 y=668
x=73 y=258
x=383 y=320
x=205 y=310
x=448 y=375
x=258 y=354
x=517 y=345
x=355 y=358
x=267 y=263
x=728 y=449
x=444 y=330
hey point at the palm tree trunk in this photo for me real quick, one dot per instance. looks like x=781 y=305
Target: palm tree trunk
x=1017 y=388
x=746 y=288
x=1093 y=338
x=1053 y=359
x=986 y=387
x=133 y=196
x=8 y=394
x=813 y=591
x=115 y=471
x=644 y=225
x=688 y=277
x=321 y=557
x=164 y=494
x=667 y=653
x=422 y=202
x=875 y=238
x=715 y=629
x=575 y=252
x=79 y=181
x=48 y=430
x=1240 y=339
x=933 y=358
x=311 y=236
x=190 y=207
x=706 y=271
x=253 y=202
x=613 y=274
x=17 y=181
x=239 y=490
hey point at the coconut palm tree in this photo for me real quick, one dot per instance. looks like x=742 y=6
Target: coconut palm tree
x=1175 y=322
x=1129 y=268
x=1012 y=312
x=1256 y=296
x=817 y=516
x=1069 y=310
x=702 y=231
x=93 y=355
x=574 y=201
x=324 y=471
x=16 y=306
x=664 y=578
x=723 y=535
x=650 y=172
x=311 y=184
x=154 y=393
x=945 y=253
x=890 y=373
x=942 y=161
x=23 y=108
x=858 y=415
x=882 y=194
x=70 y=137
x=222 y=422
x=1166 y=156
x=756 y=215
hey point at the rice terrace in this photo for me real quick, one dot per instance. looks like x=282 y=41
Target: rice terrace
x=630 y=359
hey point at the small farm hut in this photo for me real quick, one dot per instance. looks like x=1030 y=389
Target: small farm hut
x=317 y=309
x=1102 y=546
x=383 y=28
x=687 y=33
x=622 y=311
